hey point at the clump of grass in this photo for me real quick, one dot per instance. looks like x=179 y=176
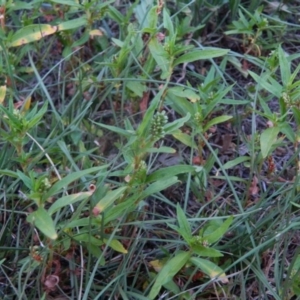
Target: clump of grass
x=138 y=161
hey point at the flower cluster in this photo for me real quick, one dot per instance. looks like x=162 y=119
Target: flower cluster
x=157 y=125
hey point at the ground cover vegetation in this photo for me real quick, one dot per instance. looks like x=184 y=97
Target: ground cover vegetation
x=149 y=149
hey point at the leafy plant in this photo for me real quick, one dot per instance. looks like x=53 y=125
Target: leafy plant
x=114 y=115
x=255 y=27
x=197 y=245
x=286 y=94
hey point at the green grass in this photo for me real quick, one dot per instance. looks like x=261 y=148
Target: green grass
x=149 y=151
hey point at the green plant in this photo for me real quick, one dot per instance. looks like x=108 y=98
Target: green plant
x=197 y=245
x=257 y=32
x=115 y=115
x=286 y=94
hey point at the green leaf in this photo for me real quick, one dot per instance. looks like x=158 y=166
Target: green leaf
x=12 y=118
x=9 y=173
x=185 y=93
x=88 y=238
x=136 y=87
x=31 y=33
x=184 y=139
x=216 y=121
x=169 y=270
x=152 y=17
x=144 y=126
x=183 y=224
x=237 y=64
x=173 y=288
x=59 y=185
x=73 y=24
x=116 y=15
x=2 y=93
x=274 y=87
x=180 y=104
x=116 y=211
x=161 y=57
x=288 y=131
x=66 y=2
x=37 y=116
x=116 y=245
x=168 y=22
x=118 y=42
x=295 y=275
x=67 y=200
x=218 y=234
x=164 y=173
x=267 y=140
x=209 y=268
x=158 y=186
x=236 y=161
x=296 y=114
x=120 y=131
x=41 y=219
x=19 y=5
x=26 y=180
x=173 y=126
x=285 y=67
x=200 y=54
x=162 y=149
x=205 y=251
x=231 y=178
x=109 y=198
x=78 y=222
x=168 y=172
x=234 y=102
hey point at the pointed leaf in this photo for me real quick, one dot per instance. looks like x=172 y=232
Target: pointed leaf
x=41 y=219
x=205 y=251
x=168 y=22
x=9 y=173
x=59 y=185
x=200 y=54
x=72 y=24
x=184 y=139
x=67 y=200
x=168 y=172
x=67 y=2
x=26 y=180
x=162 y=149
x=218 y=234
x=288 y=131
x=109 y=199
x=216 y=121
x=158 y=186
x=209 y=268
x=285 y=66
x=185 y=93
x=88 y=238
x=116 y=245
x=267 y=140
x=144 y=126
x=120 y=131
x=183 y=224
x=274 y=87
x=31 y=33
x=232 y=163
x=2 y=93
x=169 y=270
x=161 y=57
x=175 y=125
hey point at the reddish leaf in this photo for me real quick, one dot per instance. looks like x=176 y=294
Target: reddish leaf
x=144 y=102
x=254 y=189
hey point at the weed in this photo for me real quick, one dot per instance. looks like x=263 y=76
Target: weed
x=148 y=150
